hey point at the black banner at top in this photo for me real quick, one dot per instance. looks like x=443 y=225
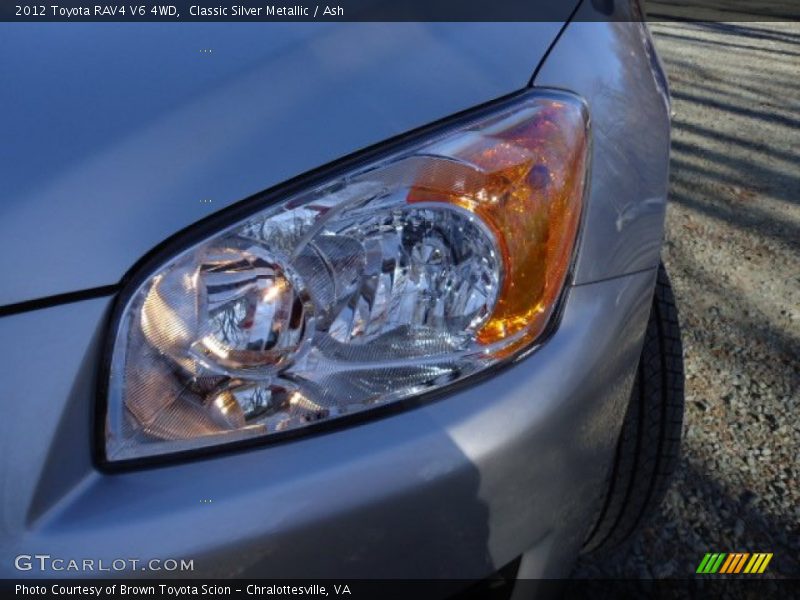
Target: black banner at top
x=394 y=10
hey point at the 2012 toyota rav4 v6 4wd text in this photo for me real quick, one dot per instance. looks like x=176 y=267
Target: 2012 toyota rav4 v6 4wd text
x=438 y=342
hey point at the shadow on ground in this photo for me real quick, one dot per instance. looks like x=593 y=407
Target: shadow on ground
x=733 y=251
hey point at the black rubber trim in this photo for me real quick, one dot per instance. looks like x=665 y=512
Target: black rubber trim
x=48 y=301
x=649 y=442
x=662 y=437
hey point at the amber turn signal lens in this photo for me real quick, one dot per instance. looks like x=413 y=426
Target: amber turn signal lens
x=524 y=177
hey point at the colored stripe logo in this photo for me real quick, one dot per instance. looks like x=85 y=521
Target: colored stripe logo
x=734 y=563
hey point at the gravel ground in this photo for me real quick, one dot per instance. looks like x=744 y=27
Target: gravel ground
x=733 y=251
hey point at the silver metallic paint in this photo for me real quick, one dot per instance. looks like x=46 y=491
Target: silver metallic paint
x=612 y=65
x=117 y=135
x=454 y=488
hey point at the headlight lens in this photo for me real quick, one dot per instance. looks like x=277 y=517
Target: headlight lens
x=393 y=279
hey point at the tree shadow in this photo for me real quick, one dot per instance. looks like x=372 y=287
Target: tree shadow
x=748 y=30
x=708 y=42
x=707 y=533
x=735 y=177
x=713 y=103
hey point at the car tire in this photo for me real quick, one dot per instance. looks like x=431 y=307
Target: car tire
x=649 y=443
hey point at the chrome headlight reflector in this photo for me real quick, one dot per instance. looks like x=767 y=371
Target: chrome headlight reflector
x=398 y=277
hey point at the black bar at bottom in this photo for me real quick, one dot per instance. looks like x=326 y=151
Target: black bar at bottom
x=249 y=589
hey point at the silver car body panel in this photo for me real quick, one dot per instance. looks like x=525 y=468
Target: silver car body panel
x=456 y=487
x=117 y=135
x=626 y=90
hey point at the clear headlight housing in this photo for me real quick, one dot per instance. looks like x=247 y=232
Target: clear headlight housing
x=394 y=279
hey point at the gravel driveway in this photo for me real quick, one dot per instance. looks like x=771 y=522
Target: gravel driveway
x=733 y=251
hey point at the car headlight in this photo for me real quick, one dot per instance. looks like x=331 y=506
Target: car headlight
x=397 y=277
